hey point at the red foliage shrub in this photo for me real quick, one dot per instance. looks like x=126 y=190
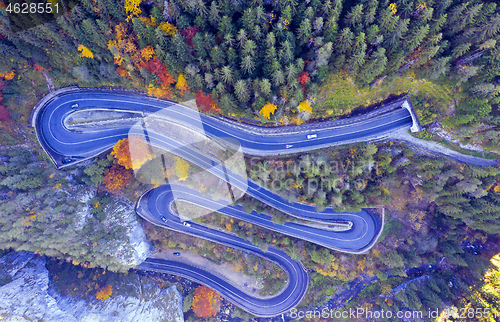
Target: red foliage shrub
x=303 y=79
x=206 y=103
x=189 y=33
x=156 y=66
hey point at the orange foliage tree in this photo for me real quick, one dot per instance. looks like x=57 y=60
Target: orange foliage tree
x=132 y=152
x=39 y=68
x=147 y=53
x=206 y=302
x=116 y=177
x=125 y=46
x=206 y=103
x=122 y=72
x=104 y=293
x=8 y=76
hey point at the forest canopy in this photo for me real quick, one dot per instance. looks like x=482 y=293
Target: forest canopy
x=247 y=56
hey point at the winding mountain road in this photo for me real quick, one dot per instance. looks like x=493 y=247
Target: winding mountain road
x=67 y=146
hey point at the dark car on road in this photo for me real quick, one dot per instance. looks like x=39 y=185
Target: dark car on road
x=177 y=254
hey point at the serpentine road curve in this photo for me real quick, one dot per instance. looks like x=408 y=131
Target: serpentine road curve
x=68 y=146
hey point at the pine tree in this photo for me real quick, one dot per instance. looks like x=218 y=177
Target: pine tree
x=416 y=36
x=248 y=19
x=260 y=16
x=278 y=77
x=94 y=34
x=304 y=31
x=324 y=54
x=249 y=48
x=388 y=21
x=370 y=13
x=374 y=66
x=227 y=102
x=345 y=40
x=291 y=73
x=357 y=60
x=355 y=17
x=399 y=32
x=225 y=25
x=257 y=33
x=286 y=54
x=242 y=91
x=217 y=55
x=228 y=40
x=226 y=74
x=460 y=50
x=426 y=15
x=181 y=49
x=199 y=46
x=241 y=37
x=247 y=64
x=214 y=14
x=490 y=28
x=265 y=87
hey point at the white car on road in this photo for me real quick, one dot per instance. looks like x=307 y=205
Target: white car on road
x=186 y=224
x=312 y=136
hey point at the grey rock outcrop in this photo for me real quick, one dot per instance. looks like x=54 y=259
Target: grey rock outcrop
x=26 y=294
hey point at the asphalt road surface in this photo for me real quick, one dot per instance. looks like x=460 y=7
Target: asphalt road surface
x=66 y=147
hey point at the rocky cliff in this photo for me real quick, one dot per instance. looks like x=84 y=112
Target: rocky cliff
x=27 y=294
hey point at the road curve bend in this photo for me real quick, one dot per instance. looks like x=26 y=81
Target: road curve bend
x=63 y=144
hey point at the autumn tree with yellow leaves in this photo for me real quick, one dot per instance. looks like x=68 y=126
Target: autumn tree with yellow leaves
x=104 y=293
x=85 y=52
x=267 y=110
x=305 y=106
x=181 y=168
x=132 y=8
x=167 y=28
x=181 y=84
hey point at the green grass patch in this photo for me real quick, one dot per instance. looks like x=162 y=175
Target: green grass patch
x=340 y=95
